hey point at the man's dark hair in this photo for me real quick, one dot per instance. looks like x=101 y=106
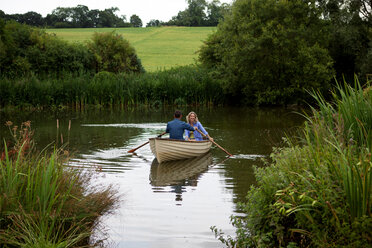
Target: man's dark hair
x=177 y=114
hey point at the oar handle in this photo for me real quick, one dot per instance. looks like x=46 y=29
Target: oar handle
x=214 y=142
x=138 y=147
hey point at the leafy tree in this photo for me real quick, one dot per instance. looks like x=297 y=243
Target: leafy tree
x=153 y=23
x=350 y=29
x=2 y=14
x=136 y=21
x=93 y=18
x=31 y=18
x=113 y=53
x=196 y=14
x=215 y=12
x=80 y=17
x=269 y=52
x=26 y=50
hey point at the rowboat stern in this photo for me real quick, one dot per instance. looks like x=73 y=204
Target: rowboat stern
x=171 y=149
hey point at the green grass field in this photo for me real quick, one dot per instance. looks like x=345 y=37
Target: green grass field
x=158 y=48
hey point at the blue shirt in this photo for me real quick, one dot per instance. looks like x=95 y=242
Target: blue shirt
x=176 y=128
x=197 y=135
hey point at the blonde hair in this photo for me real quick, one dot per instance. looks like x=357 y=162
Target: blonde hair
x=188 y=119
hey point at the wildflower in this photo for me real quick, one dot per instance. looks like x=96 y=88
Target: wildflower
x=27 y=124
x=8 y=123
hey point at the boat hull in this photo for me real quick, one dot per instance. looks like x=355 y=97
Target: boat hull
x=171 y=149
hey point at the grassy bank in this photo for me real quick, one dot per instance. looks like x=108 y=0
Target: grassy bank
x=158 y=47
x=180 y=86
x=317 y=192
x=44 y=203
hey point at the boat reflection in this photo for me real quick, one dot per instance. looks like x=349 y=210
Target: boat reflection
x=179 y=172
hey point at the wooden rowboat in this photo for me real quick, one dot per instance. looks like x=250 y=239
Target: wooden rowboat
x=172 y=149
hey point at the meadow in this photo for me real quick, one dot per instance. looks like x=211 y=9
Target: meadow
x=158 y=48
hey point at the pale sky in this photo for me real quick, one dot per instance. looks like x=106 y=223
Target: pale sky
x=162 y=10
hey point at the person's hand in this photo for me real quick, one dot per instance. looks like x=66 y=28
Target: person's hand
x=196 y=128
x=210 y=138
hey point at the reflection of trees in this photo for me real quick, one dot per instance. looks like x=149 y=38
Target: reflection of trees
x=247 y=131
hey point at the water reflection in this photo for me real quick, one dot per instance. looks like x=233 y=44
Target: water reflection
x=184 y=171
x=175 y=203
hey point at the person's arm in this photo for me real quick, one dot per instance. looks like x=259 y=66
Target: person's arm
x=167 y=129
x=203 y=130
x=200 y=126
x=187 y=134
x=187 y=126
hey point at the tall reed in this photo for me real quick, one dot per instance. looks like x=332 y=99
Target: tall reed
x=189 y=85
x=316 y=192
x=344 y=127
x=44 y=203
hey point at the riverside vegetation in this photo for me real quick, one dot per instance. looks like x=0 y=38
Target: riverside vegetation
x=43 y=202
x=317 y=191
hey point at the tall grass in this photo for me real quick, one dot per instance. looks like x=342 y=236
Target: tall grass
x=316 y=192
x=344 y=127
x=186 y=85
x=44 y=203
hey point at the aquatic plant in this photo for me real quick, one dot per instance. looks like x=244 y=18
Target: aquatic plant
x=317 y=191
x=46 y=203
x=194 y=85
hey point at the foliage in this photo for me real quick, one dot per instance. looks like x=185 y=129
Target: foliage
x=317 y=194
x=269 y=52
x=154 y=23
x=350 y=31
x=200 y=13
x=72 y=17
x=135 y=21
x=113 y=53
x=44 y=203
x=192 y=84
x=29 y=50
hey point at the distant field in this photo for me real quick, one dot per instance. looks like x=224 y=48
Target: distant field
x=158 y=48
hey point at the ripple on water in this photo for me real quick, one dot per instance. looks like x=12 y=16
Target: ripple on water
x=130 y=125
x=248 y=156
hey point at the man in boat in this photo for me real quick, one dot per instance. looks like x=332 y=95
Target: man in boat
x=177 y=127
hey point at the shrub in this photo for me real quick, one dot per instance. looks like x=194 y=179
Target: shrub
x=317 y=194
x=113 y=53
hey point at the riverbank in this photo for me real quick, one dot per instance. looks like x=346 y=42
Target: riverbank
x=44 y=202
x=317 y=191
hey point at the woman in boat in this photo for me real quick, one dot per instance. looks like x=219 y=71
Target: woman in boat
x=192 y=119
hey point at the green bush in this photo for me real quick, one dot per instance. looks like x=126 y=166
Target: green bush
x=26 y=50
x=113 y=53
x=316 y=193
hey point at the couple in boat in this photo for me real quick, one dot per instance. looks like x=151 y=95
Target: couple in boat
x=192 y=128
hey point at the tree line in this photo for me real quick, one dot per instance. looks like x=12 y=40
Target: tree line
x=198 y=13
x=75 y=17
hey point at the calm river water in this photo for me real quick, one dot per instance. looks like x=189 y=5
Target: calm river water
x=170 y=205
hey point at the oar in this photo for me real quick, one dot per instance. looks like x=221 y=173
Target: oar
x=134 y=149
x=214 y=142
